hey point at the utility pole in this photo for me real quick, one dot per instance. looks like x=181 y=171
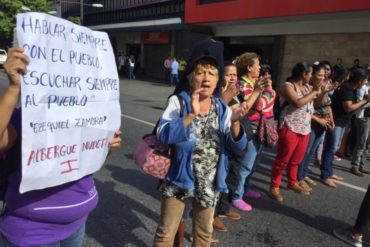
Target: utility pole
x=82 y=12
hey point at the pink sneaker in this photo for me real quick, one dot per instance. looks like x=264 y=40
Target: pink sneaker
x=336 y=158
x=242 y=205
x=253 y=194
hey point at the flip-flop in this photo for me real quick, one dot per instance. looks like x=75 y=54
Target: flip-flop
x=335 y=177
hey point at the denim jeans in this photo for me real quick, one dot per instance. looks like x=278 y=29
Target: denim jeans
x=171 y=214
x=248 y=163
x=332 y=142
x=131 y=73
x=75 y=240
x=223 y=205
x=316 y=135
x=174 y=79
x=362 y=135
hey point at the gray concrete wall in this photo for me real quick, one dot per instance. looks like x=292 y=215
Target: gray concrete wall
x=316 y=47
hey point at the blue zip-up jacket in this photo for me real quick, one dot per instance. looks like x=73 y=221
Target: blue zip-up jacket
x=172 y=131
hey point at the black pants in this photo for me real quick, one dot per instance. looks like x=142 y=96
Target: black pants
x=223 y=205
x=363 y=217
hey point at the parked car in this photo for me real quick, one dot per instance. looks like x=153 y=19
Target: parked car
x=3 y=56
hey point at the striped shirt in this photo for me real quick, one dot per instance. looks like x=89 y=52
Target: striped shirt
x=264 y=105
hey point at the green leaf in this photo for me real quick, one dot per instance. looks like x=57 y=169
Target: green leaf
x=10 y=8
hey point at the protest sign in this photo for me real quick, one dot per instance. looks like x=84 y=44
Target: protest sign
x=70 y=100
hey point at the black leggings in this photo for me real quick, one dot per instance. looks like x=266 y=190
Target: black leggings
x=363 y=216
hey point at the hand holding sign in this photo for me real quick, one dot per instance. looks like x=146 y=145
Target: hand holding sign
x=15 y=65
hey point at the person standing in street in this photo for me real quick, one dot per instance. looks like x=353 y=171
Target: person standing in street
x=344 y=104
x=295 y=126
x=167 y=69
x=131 y=62
x=261 y=102
x=121 y=63
x=322 y=120
x=231 y=94
x=200 y=141
x=362 y=123
x=182 y=67
x=338 y=66
x=174 y=79
x=356 y=64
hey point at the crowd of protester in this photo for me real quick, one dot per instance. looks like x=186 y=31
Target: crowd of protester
x=214 y=134
x=313 y=108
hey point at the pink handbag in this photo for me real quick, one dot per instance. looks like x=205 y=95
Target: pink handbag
x=152 y=157
x=267 y=132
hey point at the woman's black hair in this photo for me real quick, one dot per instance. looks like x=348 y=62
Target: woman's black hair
x=358 y=75
x=265 y=68
x=317 y=67
x=298 y=71
x=340 y=74
x=325 y=62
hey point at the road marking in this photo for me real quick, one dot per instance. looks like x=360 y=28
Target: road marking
x=144 y=236
x=138 y=120
x=336 y=181
x=351 y=186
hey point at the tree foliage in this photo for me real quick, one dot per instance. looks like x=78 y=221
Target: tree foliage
x=10 y=8
x=74 y=19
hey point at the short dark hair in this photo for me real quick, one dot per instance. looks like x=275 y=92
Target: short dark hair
x=340 y=74
x=265 y=68
x=358 y=75
x=299 y=70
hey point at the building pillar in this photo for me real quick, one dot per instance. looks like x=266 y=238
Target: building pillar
x=173 y=40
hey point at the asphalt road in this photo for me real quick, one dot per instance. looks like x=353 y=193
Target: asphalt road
x=128 y=209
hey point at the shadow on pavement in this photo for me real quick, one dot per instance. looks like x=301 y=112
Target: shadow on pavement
x=120 y=220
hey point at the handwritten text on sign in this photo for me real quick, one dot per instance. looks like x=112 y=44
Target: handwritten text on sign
x=70 y=100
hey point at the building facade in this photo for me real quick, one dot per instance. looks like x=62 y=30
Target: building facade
x=150 y=30
x=283 y=32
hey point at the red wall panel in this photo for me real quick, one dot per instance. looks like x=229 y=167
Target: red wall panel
x=255 y=9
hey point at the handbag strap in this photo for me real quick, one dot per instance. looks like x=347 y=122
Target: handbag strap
x=179 y=97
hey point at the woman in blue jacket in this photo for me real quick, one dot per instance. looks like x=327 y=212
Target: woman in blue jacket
x=200 y=136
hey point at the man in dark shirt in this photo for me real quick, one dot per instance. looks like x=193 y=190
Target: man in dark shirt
x=343 y=105
x=345 y=93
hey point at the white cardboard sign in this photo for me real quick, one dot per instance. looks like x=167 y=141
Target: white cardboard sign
x=70 y=100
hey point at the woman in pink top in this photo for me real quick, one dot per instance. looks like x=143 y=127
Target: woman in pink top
x=295 y=119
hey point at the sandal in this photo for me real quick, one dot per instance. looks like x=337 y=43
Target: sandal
x=329 y=182
x=335 y=177
x=309 y=181
x=298 y=189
